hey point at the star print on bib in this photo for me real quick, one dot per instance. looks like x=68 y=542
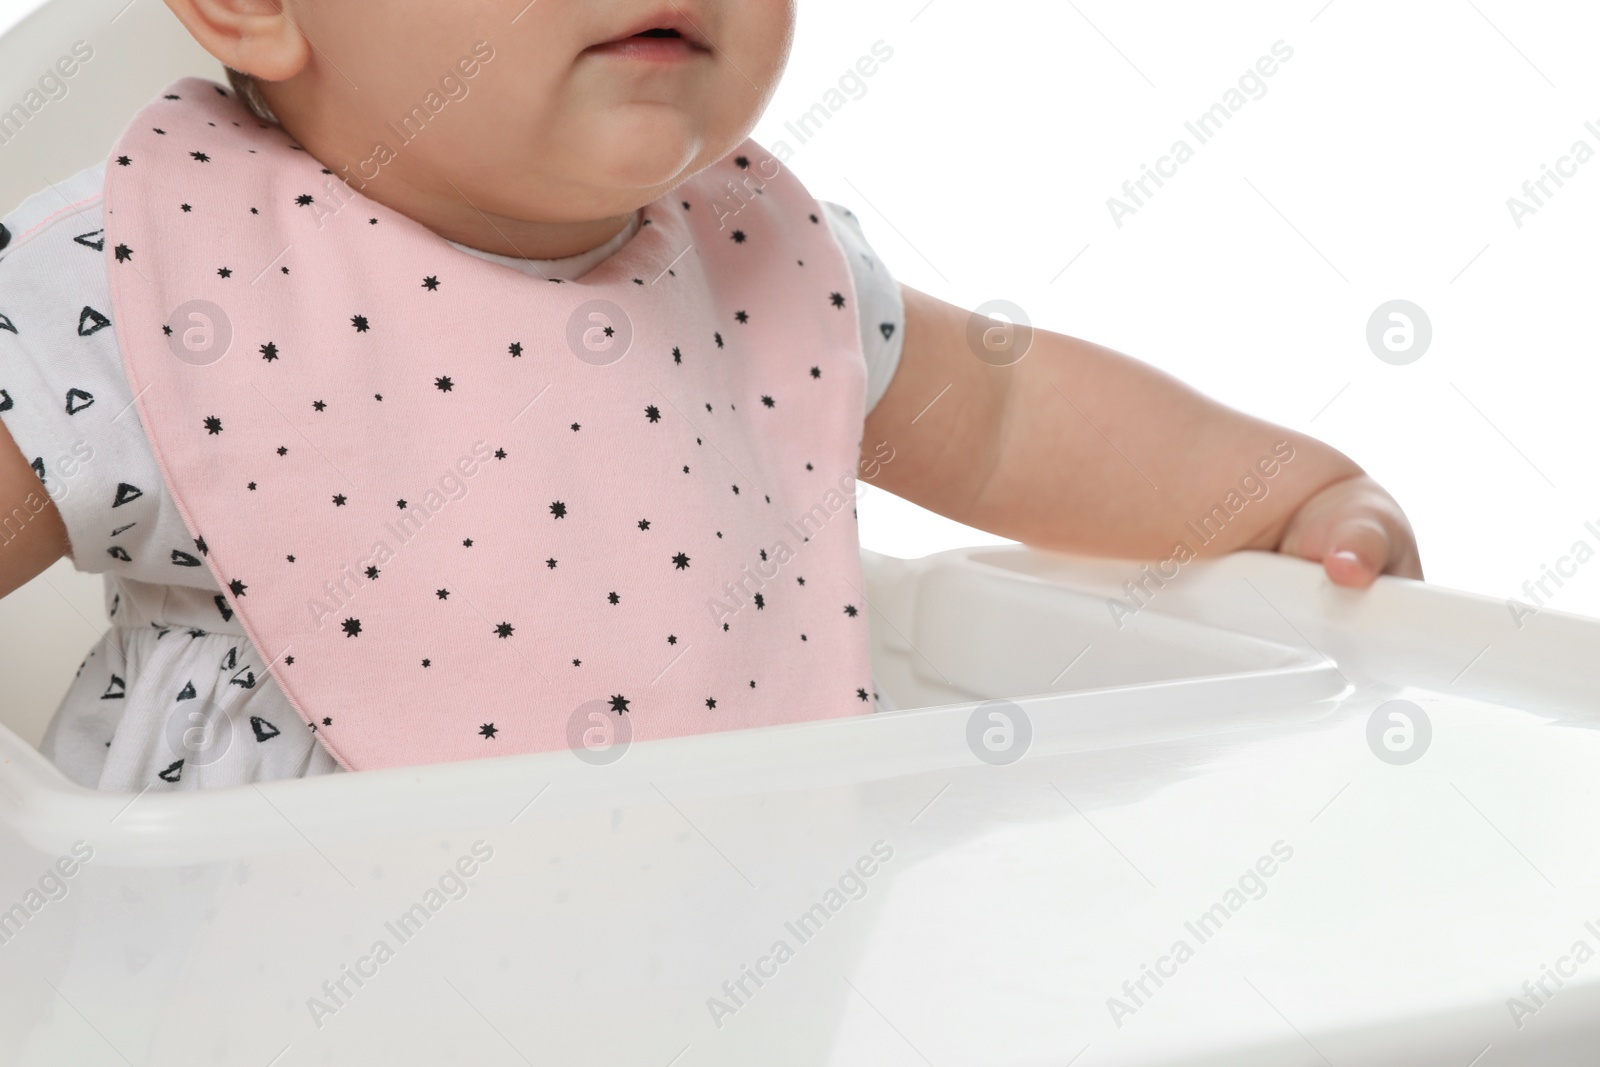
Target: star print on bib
x=457 y=508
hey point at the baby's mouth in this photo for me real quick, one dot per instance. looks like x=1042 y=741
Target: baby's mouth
x=657 y=44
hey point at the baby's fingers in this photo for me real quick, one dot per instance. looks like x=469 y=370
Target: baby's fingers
x=1358 y=551
x=1356 y=531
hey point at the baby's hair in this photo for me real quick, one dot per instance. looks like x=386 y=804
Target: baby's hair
x=245 y=85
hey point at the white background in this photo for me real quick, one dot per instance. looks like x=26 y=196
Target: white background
x=1377 y=166
x=12 y=12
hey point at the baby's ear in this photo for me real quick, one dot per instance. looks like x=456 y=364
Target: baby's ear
x=255 y=37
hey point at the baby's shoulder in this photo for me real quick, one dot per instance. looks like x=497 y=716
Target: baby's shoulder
x=55 y=291
x=73 y=204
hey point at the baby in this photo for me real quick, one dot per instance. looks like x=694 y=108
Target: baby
x=465 y=381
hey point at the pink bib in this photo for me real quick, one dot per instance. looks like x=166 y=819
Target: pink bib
x=465 y=512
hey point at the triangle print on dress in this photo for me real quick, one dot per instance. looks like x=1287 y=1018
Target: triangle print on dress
x=91 y=322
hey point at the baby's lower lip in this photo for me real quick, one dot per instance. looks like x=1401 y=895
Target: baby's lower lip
x=650 y=49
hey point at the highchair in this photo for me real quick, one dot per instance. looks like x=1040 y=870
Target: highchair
x=1227 y=815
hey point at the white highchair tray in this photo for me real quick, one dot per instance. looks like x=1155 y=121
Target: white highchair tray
x=887 y=890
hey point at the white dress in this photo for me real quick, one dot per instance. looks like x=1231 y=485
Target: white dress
x=174 y=695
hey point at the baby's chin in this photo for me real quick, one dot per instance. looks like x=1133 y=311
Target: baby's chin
x=649 y=148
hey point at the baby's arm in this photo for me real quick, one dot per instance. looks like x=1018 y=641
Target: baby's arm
x=1081 y=449
x=32 y=535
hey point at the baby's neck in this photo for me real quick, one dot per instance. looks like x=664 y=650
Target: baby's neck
x=457 y=219
x=453 y=215
x=543 y=241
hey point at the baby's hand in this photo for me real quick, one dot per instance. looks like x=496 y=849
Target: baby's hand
x=1356 y=530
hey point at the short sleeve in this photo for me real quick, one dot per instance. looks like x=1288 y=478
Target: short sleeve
x=878 y=304
x=65 y=399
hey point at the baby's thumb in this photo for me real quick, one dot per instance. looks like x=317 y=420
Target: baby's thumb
x=1358 y=551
